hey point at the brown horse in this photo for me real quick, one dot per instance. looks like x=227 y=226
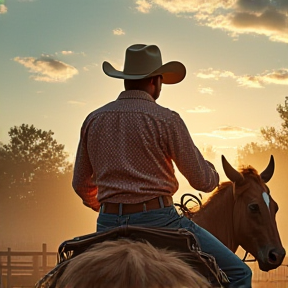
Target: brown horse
x=242 y=212
x=127 y=264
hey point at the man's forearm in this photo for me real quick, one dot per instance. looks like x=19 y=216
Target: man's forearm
x=88 y=195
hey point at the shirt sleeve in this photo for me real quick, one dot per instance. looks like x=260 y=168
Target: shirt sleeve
x=200 y=173
x=83 y=182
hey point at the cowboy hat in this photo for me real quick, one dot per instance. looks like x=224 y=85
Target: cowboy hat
x=144 y=61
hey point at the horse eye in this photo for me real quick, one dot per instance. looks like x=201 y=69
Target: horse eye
x=254 y=208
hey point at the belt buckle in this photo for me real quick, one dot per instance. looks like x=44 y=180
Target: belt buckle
x=161 y=202
x=144 y=207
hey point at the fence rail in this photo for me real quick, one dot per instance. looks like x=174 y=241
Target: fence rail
x=277 y=278
x=24 y=269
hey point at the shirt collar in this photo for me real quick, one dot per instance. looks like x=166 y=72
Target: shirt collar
x=135 y=94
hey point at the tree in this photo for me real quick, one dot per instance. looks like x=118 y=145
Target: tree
x=31 y=157
x=278 y=138
x=275 y=141
x=37 y=202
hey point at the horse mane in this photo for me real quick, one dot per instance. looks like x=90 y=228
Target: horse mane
x=248 y=172
x=251 y=172
x=215 y=194
x=128 y=264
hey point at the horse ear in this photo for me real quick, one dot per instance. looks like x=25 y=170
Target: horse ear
x=267 y=174
x=230 y=172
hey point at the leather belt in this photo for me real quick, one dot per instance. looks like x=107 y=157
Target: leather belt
x=124 y=209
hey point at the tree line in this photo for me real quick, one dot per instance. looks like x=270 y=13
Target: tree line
x=36 y=175
x=37 y=201
x=273 y=142
x=30 y=161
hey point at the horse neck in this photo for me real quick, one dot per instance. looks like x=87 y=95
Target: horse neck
x=216 y=216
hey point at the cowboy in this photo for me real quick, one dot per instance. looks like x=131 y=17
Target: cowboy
x=124 y=163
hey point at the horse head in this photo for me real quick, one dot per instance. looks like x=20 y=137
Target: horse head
x=254 y=223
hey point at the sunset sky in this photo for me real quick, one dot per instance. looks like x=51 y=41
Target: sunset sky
x=235 y=53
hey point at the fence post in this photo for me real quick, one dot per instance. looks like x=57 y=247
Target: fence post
x=9 y=268
x=36 y=267
x=44 y=258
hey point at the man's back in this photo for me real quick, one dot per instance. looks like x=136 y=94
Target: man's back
x=128 y=146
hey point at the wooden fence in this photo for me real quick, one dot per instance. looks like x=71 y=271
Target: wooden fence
x=276 y=278
x=24 y=269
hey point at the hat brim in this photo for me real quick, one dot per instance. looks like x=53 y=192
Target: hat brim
x=172 y=72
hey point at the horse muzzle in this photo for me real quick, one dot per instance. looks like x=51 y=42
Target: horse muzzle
x=270 y=258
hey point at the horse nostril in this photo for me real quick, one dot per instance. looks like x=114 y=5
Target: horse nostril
x=273 y=256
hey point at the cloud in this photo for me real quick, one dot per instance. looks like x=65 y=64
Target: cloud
x=78 y=103
x=3 y=9
x=206 y=90
x=118 y=32
x=264 y=17
x=47 y=69
x=199 y=109
x=67 y=52
x=255 y=6
x=276 y=77
x=279 y=76
x=230 y=132
x=90 y=66
x=271 y=23
x=214 y=74
x=143 y=6
x=188 y=6
x=269 y=19
x=250 y=81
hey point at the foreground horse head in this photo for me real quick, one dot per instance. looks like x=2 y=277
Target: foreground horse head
x=242 y=212
x=127 y=264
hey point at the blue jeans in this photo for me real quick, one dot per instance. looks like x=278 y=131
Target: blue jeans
x=237 y=271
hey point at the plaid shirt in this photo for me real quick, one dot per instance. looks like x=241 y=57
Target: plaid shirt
x=126 y=151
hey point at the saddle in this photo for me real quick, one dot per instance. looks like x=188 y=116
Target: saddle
x=179 y=240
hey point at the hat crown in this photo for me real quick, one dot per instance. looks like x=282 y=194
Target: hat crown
x=142 y=59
